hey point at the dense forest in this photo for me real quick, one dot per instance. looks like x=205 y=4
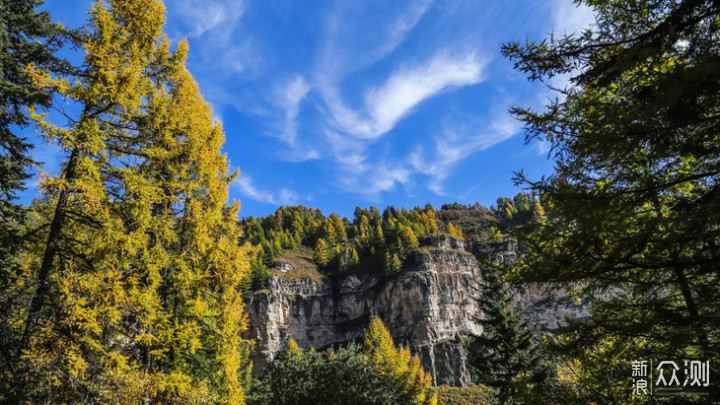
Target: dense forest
x=375 y=242
x=124 y=281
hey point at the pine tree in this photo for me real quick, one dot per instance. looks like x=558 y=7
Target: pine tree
x=135 y=293
x=495 y=235
x=260 y=274
x=538 y=213
x=337 y=224
x=268 y=253
x=320 y=254
x=337 y=257
x=330 y=233
x=378 y=236
x=521 y=201
x=393 y=264
x=508 y=352
x=409 y=240
x=354 y=258
x=26 y=37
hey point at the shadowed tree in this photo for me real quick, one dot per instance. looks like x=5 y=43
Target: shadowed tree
x=27 y=37
x=635 y=197
x=509 y=355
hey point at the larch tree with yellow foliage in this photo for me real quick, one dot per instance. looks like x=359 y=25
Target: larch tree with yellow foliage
x=133 y=279
x=398 y=364
x=454 y=231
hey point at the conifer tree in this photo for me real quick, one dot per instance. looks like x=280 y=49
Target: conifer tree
x=393 y=264
x=508 y=352
x=26 y=37
x=495 y=235
x=337 y=257
x=454 y=231
x=397 y=363
x=330 y=234
x=354 y=258
x=339 y=227
x=634 y=196
x=379 y=236
x=260 y=275
x=135 y=290
x=320 y=254
x=409 y=240
x=538 y=213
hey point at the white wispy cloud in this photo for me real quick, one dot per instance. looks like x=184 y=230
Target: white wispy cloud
x=362 y=172
x=287 y=96
x=398 y=30
x=285 y=196
x=408 y=87
x=405 y=88
x=245 y=185
x=354 y=131
x=455 y=143
x=384 y=177
x=348 y=44
x=207 y=15
x=384 y=105
x=375 y=177
x=217 y=38
x=349 y=152
x=290 y=93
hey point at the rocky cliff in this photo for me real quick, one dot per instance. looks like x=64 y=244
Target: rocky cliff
x=429 y=308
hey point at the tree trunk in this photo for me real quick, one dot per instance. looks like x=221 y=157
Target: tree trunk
x=51 y=247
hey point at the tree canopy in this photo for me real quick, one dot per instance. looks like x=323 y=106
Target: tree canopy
x=26 y=37
x=635 y=196
x=129 y=288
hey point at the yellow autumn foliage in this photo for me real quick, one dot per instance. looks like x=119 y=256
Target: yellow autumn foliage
x=398 y=363
x=454 y=231
x=133 y=285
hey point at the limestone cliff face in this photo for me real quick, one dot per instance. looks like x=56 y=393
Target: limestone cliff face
x=428 y=308
x=545 y=307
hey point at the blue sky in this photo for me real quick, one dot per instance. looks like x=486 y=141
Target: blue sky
x=335 y=104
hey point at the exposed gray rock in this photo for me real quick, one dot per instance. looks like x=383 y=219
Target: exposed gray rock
x=548 y=309
x=284 y=266
x=442 y=242
x=430 y=308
